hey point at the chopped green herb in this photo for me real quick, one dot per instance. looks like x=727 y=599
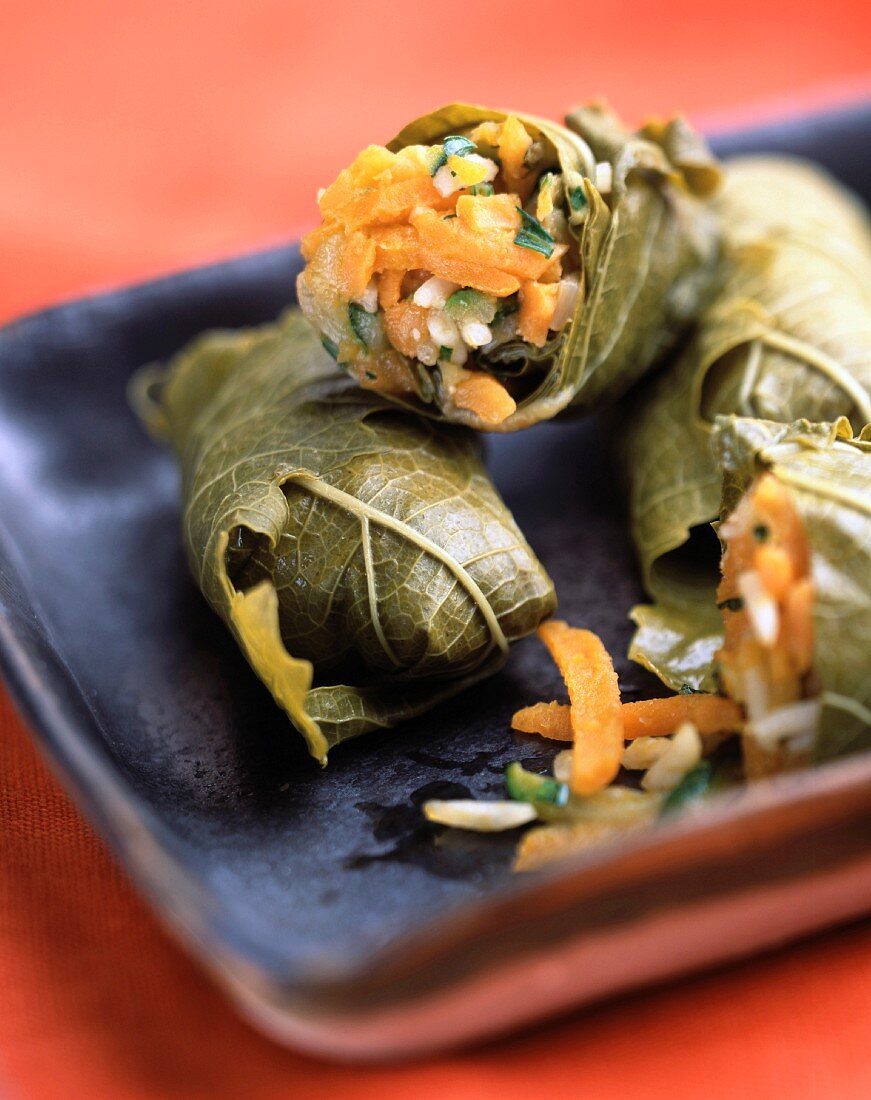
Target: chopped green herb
x=734 y=603
x=577 y=198
x=457 y=146
x=366 y=326
x=533 y=235
x=760 y=532
x=685 y=689
x=453 y=146
x=448 y=217
x=481 y=189
x=470 y=305
x=525 y=786
x=445 y=352
x=331 y=347
x=693 y=787
x=361 y=323
x=371 y=375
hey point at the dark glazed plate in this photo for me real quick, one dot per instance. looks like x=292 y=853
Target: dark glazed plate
x=340 y=919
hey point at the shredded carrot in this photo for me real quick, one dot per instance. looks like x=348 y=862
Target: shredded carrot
x=514 y=143
x=401 y=322
x=392 y=373
x=390 y=288
x=537 y=306
x=487 y=133
x=484 y=213
x=358 y=265
x=399 y=248
x=452 y=238
x=765 y=540
x=659 y=717
x=391 y=205
x=776 y=509
x=551 y=720
x=316 y=238
x=548 y=843
x=775 y=568
x=485 y=396
x=387 y=225
x=597 y=720
x=798 y=624
x=483 y=278
x=648 y=718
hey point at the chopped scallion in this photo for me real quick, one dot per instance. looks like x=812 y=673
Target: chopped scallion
x=533 y=235
x=525 y=786
x=454 y=145
x=693 y=787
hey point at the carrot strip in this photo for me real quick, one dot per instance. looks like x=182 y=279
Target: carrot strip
x=775 y=568
x=552 y=720
x=660 y=717
x=537 y=306
x=514 y=143
x=648 y=718
x=358 y=264
x=390 y=288
x=548 y=843
x=401 y=322
x=485 y=396
x=798 y=624
x=596 y=716
x=485 y=213
x=496 y=249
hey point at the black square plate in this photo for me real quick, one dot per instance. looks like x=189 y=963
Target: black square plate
x=338 y=918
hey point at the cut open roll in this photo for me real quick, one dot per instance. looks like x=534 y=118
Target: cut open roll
x=493 y=268
x=794 y=644
x=787 y=337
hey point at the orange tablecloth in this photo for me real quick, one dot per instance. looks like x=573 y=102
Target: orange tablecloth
x=139 y=137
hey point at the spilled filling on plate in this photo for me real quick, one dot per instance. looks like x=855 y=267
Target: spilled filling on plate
x=446 y=268
x=684 y=746
x=766 y=597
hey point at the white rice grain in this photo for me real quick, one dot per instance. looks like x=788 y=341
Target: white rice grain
x=480 y=817
x=562 y=765
x=434 y=292
x=566 y=301
x=683 y=753
x=795 y=722
x=369 y=298
x=604 y=178
x=476 y=334
x=761 y=608
x=643 y=752
x=442 y=329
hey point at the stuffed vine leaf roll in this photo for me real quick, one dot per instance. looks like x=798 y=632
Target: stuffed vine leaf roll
x=796 y=589
x=359 y=554
x=787 y=337
x=491 y=268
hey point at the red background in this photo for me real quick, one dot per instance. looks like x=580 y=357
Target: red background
x=139 y=137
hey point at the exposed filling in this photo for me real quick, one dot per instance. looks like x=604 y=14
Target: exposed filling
x=766 y=596
x=446 y=271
